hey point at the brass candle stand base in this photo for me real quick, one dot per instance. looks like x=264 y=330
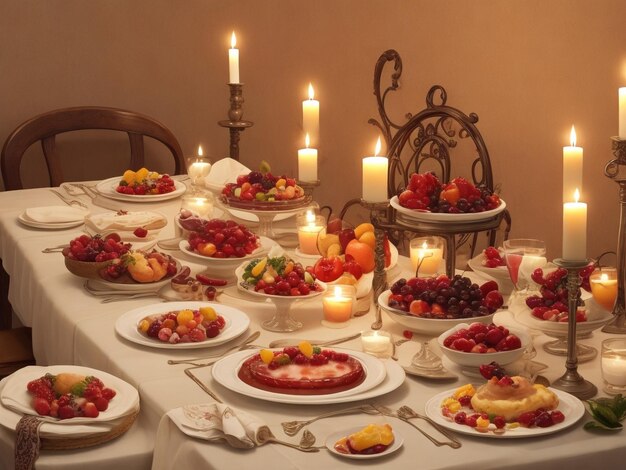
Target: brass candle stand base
x=612 y=171
x=309 y=186
x=379 y=283
x=234 y=122
x=572 y=382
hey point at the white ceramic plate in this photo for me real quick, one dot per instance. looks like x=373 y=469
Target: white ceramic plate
x=266 y=244
x=236 y=323
x=225 y=373
x=136 y=287
x=107 y=189
x=569 y=405
x=334 y=437
x=15 y=396
x=24 y=219
x=426 y=216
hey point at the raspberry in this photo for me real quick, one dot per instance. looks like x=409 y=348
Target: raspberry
x=407 y=334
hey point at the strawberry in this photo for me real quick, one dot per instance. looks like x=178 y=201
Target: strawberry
x=90 y=410
x=140 y=232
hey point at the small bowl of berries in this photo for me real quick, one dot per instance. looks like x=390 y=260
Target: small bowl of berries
x=473 y=344
x=87 y=256
x=490 y=264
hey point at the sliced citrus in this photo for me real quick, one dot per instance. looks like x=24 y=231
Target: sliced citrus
x=306 y=348
x=267 y=355
x=259 y=267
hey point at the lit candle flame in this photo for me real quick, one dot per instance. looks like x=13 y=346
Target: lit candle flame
x=572 y=137
x=233 y=41
x=310 y=217
x=307 y=140
x=604 y=277
x=378 y=146
x=311 y=92
x=337 y=292
x=200 y=150
x=576 y=195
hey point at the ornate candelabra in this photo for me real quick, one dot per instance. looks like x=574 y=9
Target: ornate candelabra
x=379 y=284
x=612 y=170
x=572 y=382
x=235 y=115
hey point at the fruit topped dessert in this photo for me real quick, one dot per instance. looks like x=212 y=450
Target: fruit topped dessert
x=140 y=266
x=372 y=439
x=183 y=326
x=425 y=192
x=504 y=402
x=277 y=274
x=302 y=370
x=145 y=182
x=442 y=297
x=217 y=238
x=263 y=186
x=69 y=395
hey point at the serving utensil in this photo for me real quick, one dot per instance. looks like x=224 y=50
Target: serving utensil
x=239 y=346
x=315 y=342
x=406 y=413
x=291 y=428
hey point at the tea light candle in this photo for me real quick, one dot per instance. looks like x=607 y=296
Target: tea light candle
x=622 y=112
x=614 y=369
x=427 y=254
x=337 y=306
x=375 y=177
x=572 y=168
x=233 y=60
x=307 y=162
x=376 y=342
x=309 y=227
x=199 y=169
x=311 y=119
x=604 y=287
x=575 y=229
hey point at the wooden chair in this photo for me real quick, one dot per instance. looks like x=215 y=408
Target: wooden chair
x=441 y=139
x=45 y=128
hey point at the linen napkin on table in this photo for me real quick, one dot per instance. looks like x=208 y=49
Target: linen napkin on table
x=224 y=171
x=218 y=422
x=56 y=214
x=122 y=220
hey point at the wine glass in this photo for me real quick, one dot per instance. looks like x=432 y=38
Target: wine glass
x=522 y=257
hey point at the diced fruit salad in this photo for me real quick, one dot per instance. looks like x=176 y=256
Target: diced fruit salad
x=481 y=338
x=442 y=297
x=183 y=326
x=426 y=192
x=263 y=186
x=279 y=275
x=218 y=238
x=66 y=396
x=144 y=181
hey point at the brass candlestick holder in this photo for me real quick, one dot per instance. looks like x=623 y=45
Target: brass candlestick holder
x=572 y=382
x=612 y=170
x=379 y=283
x=235 y=115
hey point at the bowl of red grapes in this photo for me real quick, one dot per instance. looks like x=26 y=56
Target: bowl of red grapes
x=86 y=256
x=434 y=305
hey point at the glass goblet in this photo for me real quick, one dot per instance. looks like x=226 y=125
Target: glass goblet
x=522 y=257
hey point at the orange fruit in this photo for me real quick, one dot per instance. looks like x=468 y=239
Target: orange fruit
x=369 y=239
x=362 y=253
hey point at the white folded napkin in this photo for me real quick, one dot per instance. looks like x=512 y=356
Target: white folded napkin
x=225 y=171
x=126 y=220
x=217 y=422
x=56 y=214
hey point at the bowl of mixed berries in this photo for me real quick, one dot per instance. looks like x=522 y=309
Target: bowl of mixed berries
x=434 y=305
x=87 y=255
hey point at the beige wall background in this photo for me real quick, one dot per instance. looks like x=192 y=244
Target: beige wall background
x=529 y=69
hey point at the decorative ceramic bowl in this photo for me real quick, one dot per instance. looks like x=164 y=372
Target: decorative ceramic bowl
x=469 y=359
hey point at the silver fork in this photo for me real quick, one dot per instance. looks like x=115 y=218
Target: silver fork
x=68 y=201
x=455 y=444
x=291 y=428
x=404 y=412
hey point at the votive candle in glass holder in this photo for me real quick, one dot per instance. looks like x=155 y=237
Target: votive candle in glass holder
x=614 y=365
x=198 y=168
x=200 y=204
x=309 y=226
x=604 y=287
x=337 y=305
x=377 y=343
x=426 y=255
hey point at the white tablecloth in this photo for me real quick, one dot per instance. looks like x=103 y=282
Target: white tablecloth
x=69 y=326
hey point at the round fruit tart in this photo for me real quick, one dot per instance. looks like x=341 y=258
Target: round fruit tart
x=183 y=326
x=68 y=395
x=302 y=370
x=145 y=182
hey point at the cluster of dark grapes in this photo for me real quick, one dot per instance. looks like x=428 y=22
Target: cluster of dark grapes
x=267 y=181
x=553 y=291
x=480 y=202
x=457 y=297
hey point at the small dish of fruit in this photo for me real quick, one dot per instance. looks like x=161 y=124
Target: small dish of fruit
x=86 y=256
x=145 y=182
x=490 y=264
x=183 y=326
x=262 y=189
x=470 y=345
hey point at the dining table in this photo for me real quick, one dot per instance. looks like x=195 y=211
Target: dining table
x=72 y=327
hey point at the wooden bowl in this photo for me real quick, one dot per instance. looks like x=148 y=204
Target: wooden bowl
x=86 y=269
